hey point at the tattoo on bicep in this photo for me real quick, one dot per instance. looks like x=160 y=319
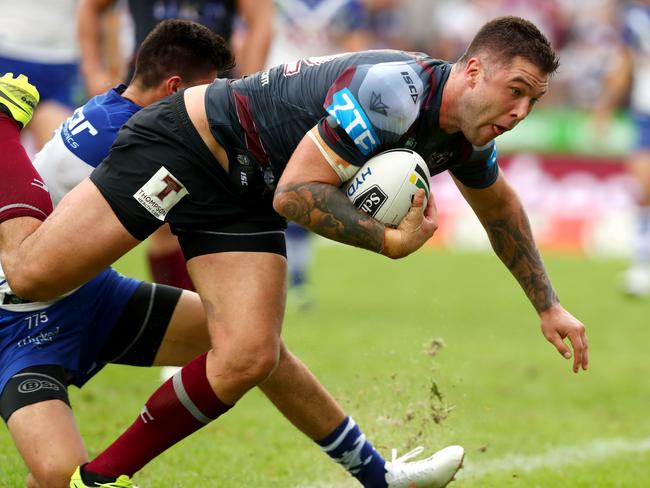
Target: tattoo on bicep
x=326 y=210
x=513 y=242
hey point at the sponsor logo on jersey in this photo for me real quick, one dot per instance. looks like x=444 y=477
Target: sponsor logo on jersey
x=40 y=338
x=351 y=117
x=160 y=193
x=371 y=200
x=376 y=105
x=77 y=124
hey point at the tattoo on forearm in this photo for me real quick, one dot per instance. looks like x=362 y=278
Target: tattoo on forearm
x=327 y=211
x=513 y=242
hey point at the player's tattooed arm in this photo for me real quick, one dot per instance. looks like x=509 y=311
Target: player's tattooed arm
x=326 y=210
x=512 y=240
x=506 y=223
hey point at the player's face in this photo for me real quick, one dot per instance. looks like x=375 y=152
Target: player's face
x=501 y=98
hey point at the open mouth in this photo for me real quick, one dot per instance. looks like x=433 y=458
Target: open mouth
x=499 y=129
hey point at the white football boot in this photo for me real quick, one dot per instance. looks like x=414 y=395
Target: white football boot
x=433 y=472
x=636 y=281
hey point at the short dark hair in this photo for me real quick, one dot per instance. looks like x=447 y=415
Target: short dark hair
x=180 y=47
x=509 y=37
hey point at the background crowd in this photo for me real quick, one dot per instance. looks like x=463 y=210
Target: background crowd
x=585 y=116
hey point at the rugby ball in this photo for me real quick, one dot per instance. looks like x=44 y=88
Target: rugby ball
x=385 y=185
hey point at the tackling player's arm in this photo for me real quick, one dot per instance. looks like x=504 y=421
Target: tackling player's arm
x=14 y=231
x=308 y=194
x=503 y=216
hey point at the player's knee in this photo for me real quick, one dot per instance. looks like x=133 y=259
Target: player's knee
x=252 y=365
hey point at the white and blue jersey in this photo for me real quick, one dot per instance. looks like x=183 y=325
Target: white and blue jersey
x=83 y=141
x=70 y=330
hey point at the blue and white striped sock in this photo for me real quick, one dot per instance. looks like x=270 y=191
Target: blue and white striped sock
x=348 y=446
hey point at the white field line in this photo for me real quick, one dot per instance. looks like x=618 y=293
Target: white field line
x=591 y=453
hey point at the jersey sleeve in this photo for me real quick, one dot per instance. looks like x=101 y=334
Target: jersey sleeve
x=90 y=131
x=481 y=169
x=369 y=108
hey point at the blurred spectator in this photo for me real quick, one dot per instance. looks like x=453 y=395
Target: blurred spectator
x=389 y=24
x=306 y=28
x=38 y=40
x=630 y=73
x=591 y=37
x=219 y=16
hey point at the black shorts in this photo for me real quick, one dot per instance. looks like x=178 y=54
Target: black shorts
x=134 y=340
x=160 y=170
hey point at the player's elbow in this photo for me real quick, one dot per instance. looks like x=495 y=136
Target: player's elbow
x=286 y=204
x=28 y=283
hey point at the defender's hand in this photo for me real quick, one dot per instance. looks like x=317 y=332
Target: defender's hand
x=558 y=324
x=414 y=230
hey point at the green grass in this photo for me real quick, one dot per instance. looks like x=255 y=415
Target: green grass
x=504 y=390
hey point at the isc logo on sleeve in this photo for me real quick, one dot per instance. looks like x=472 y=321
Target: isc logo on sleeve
x=160 y=193
x=349 y=115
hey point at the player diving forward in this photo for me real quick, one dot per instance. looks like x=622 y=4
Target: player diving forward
x=113 y=319
x=220 y=162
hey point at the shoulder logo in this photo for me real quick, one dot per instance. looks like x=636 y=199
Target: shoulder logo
x=160 y=193
x=349 y=114
x=406 y=76
x=376 y=105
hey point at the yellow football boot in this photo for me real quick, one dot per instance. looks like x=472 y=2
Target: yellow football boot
x=18 y=97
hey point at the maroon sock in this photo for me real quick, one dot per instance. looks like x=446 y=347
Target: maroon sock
x=22 y=191
x=181 y=406
x=170 y=269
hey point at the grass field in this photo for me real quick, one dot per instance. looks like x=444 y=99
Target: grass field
x=436 y=349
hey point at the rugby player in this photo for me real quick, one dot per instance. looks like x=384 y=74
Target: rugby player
x=117 y=319
x=223 y=163
x=48 y=346
x=164 y=256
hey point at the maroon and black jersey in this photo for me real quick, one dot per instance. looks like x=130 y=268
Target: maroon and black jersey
x=353 y=106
